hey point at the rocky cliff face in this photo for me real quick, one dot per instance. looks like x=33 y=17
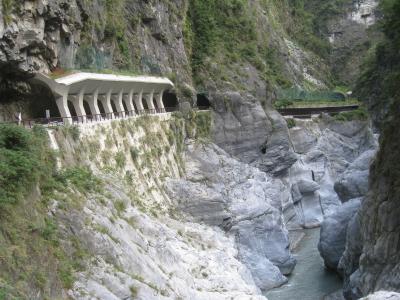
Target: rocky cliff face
x=326 y=150
x=152 y=37
x=39 y=36
x=47 y=36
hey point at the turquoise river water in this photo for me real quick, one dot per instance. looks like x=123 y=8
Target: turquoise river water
x=310 y=280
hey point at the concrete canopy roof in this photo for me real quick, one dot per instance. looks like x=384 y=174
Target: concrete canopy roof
x=90 y=82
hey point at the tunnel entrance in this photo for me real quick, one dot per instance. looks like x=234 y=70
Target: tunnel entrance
x=170 y=101
x=202 y=102
x=17 y=94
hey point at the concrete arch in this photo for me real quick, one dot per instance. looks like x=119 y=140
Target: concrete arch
x=116 y=103
x=138 y=99
x=128 y=102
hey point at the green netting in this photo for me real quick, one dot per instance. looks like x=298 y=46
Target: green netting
x=297 y=94
x=88 y=57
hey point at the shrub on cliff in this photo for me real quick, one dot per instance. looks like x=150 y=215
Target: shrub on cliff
x=379 y=83
x=24 y=158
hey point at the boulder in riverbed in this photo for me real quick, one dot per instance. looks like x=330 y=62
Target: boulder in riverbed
x=333 y=233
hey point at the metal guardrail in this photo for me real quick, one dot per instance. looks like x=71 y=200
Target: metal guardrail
x=318 y=105
x=202 y=108
x=316 y=110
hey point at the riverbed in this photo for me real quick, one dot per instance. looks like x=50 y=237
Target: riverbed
x=310 y=280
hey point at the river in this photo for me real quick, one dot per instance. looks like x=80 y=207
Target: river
x=309 y=280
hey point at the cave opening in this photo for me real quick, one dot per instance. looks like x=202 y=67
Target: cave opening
x=263 y=149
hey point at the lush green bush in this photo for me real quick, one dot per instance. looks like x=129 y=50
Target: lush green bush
x=283 y=103
x=24 y=159
x=203 y=125
x=220 y=27
x=31 y=256
x=80 y=178
x=360 y=114
x=8 y=6
x=291 y=123
x=308 y=22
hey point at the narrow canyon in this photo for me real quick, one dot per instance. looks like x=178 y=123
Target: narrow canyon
x=199 y=149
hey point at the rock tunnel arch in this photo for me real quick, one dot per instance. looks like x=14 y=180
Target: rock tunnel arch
x=31 y=99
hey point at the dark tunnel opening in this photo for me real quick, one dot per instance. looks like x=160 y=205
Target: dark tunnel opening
x=202 y=102
x=19 y=95
x=170 y=101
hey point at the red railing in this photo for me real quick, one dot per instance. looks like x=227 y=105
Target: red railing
x=60 y=121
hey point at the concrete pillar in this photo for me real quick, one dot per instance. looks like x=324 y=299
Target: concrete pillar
x=77 y=101
x=106 y=101
x=149 y=100
x=139 y=103
x=160 y=103
x=62 y=104
x=128 y=99
x=94 y=107
x=118 y=104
